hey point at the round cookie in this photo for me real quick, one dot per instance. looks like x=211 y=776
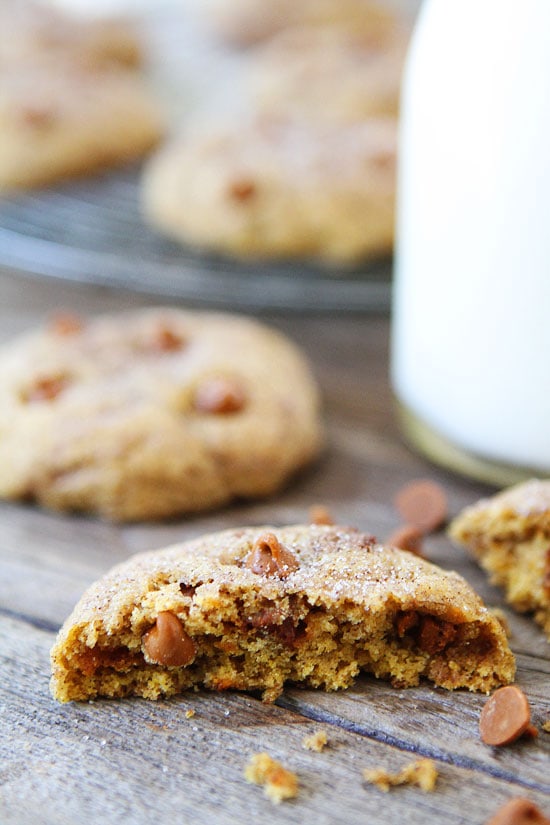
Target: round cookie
x=279 y=189
x=329 y=73
x=152 y=414
x=31 y=30
x=248 y=21
x=60 y=118
x=254 y=608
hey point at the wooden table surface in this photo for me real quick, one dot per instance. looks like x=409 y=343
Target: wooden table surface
x=135 y=761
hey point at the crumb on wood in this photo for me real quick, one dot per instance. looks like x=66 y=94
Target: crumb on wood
x=421 y=772
x=316 y=742
x=279 y=783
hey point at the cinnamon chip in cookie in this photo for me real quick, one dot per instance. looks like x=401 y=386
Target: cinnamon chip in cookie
x=278 y=188
x=155 y=413
x=255 y=608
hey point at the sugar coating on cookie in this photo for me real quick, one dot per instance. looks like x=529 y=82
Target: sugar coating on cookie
x=278 y=189
x=255 y=608
x=329 y=73
x=153 y=413
x=509 y=534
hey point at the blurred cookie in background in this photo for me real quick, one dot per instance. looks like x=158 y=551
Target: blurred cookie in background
x=278 y=188
x=330 y=72
x=61 y=119
x=247 y=21
x=70 y=99
x=31 y=30
x=153 y=414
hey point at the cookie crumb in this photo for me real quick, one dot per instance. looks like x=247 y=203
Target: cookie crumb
x=421 y=772
x=279 y=783
x=546 y=726
x=189 y=713
x=316 y=742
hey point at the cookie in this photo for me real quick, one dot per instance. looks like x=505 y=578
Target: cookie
x=247 y=21
x=279 y=189
x=329 y=73
x=154 y=413
x=254 y=608
x=59 y=119
x=509 y=535
x=30 y=30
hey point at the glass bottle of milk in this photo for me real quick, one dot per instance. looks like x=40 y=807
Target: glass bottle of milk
x=471 y=314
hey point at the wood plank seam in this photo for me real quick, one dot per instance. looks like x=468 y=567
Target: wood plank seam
x=33 y=621
x=410 y=747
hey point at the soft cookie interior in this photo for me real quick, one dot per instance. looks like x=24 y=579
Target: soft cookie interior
x=509 y=534
x=257 y=608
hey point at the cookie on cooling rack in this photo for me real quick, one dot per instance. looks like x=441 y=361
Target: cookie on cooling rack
x=153 y=414
x=31 y=30
x=278 y=189
x=247 y=21
x=321 y=73
x=62 y=118
x=509 y=534
x=255 y=608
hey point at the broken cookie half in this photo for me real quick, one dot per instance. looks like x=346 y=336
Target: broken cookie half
x=254 y=608
x=509 y=535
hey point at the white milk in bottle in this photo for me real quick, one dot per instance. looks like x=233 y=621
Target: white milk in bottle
x=471 y=314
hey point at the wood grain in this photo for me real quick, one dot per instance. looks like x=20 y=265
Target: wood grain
x=137 y=761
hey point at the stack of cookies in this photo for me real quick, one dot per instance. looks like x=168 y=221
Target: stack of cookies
x=309 y=172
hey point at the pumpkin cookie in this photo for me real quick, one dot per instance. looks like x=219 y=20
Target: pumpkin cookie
x=248 y=21
x=254 y=608
x=321 y=73
x=31 y=30
x=61 y=118
x=153 y=413
x=279 y=189
x=509 y=534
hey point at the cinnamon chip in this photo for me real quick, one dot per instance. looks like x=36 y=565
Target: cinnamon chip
x=408 y=538
x=219 y=395
x=167 y=643
x=46 y=388
x=269 y=557
x=166 y=340
x=37 y=115
x=318 y=514
x=242 y=190
x=518 y=811
x=65 y=323
x=505 y=716
x=423 y=504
